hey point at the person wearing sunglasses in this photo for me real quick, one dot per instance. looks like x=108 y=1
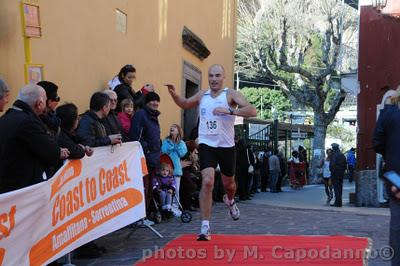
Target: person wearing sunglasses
x=49 y=117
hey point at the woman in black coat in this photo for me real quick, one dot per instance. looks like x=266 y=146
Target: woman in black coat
x=68 y=114
x=242 y=166
x=126 y=76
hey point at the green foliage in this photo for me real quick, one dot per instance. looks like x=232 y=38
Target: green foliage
x=313 y=54
x=264 y=99
x=346 y=135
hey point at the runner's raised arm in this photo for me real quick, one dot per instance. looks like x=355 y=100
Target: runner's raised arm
x=183 y=102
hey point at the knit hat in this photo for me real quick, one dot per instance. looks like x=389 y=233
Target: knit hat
x=151 y=96
x=51 y=90
x=335 y=146
x=147 y=88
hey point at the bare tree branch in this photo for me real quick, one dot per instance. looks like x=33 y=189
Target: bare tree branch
x=336 y=102
x=283 y=56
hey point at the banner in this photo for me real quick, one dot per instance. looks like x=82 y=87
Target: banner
x=85 y=200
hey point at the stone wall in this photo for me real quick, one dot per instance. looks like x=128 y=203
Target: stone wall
x=366 y=189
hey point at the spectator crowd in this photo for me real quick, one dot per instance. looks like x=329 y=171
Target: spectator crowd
x=37 y=135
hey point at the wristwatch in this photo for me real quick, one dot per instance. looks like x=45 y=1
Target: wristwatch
x=230 y=111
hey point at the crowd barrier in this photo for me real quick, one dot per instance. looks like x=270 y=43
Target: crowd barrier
x=84 y=200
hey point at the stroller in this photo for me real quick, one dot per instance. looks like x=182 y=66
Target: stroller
x=185 y=216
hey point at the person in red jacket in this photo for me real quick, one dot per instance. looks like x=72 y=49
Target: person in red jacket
x=125 y=117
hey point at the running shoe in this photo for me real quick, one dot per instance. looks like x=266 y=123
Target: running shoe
x=147 y=222
x=205 y=234
x=233 y=208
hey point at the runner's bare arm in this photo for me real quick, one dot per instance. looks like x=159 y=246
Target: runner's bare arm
x=183 y=102
x=245 y=108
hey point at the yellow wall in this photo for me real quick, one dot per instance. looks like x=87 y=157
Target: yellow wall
x=81 y=49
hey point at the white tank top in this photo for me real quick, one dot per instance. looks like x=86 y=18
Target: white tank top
x=326 y=172
x=216 y=130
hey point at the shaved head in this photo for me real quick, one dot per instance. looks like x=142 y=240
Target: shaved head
x=215 y=67
x=216 y=76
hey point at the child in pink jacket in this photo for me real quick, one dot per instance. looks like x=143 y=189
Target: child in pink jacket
x=126 y=115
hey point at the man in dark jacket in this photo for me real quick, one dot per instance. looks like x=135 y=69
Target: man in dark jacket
x=337 y=167
x=91 y=132
x=26 y=149
x=49 y=118
x=146 y=129
x=111 y=122
x=386 y=142
x=264 y=171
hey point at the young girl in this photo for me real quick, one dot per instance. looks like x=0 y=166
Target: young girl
x=164 y=185
x=125 y=117
x=175 y=148
x=326 y=174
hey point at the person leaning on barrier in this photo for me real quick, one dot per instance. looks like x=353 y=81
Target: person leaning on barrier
x=26 y=149
x=91 y=132
x=49 y=117
x=4 y=95
x=111 y=121
x=69 y=120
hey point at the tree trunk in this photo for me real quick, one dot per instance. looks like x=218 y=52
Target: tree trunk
x=318 y=152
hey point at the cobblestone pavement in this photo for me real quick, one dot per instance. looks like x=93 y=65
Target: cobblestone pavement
x=126 y=246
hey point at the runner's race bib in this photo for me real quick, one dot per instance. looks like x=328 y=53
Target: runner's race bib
x=210 y=125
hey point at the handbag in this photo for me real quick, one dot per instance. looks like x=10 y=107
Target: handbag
x=251 y=167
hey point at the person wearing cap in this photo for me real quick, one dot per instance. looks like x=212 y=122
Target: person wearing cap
x=4 y=94
x=337 y=166
x=49 y=117
x=141 y=94
x=145 y=128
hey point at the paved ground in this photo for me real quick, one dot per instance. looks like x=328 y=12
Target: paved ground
x=289 y=213
x=313 y=197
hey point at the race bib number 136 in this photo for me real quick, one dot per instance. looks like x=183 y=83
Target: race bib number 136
x=210 y=127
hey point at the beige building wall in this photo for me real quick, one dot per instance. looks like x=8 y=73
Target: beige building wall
x=81 y=49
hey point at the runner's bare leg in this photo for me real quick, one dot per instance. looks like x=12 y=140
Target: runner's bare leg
x=207 y=186
x=229 y=185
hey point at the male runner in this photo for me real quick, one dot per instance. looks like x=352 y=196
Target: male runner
x=218 y=107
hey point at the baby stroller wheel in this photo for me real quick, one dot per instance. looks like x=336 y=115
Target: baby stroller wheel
x=157 y=217
x=186 y=217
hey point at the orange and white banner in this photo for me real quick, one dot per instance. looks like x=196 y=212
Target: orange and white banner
x=85 y=199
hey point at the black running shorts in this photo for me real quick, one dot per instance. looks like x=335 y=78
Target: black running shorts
x=224 y=157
